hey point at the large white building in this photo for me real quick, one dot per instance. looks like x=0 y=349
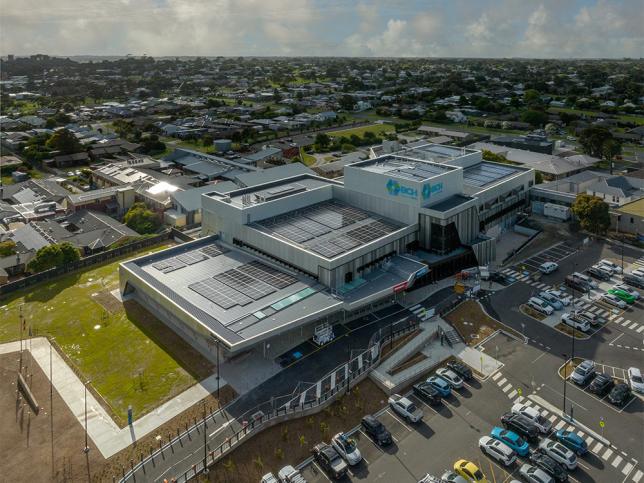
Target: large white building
x=281 y=258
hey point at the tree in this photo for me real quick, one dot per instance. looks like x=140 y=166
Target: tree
x=610 y=149
x=207 y=140
x=538 y=177
x=346 y=102
x=142 y=220
x=534 y=118
x=592 y=213
x=592 y=140
x=531 y=97
x=7 y=248
x=70 y=253
x=65 y=142
x=322 y=139
x=53 y=256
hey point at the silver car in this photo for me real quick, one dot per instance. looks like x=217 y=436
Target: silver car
x=533 y=474
x=559 y=453
x=405 y=408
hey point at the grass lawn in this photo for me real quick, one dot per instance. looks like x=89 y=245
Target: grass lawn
x=307 y=159
x=359 y=131
x=583 y=112
x=130 y=357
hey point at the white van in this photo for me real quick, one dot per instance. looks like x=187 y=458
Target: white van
x=540 y=305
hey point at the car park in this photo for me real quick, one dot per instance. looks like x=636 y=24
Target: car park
x=613 y=266
x=532 y=474
x=559 y=453
x=533 y=415
x=549 y=465
x=585 y=278
x=451 y=477
x=548 y=267
x=551 y=300
x=635 y=380
x=577 y=284
x=620 y=394
x=561 y=296
x=376 y=430
x=613 y=300
x=288 y=474
x=469 y=471
x=427 y=392
x=451 y=377
x=511 y=439
x=329 y=459
x=601 y=385
x=629 y=290
x=405 y=408
x=583 y=373
x=540 y=306
x=521 y=425
x=440 y=384
x=572 y=441
x=598 y=273
x=497 y=450
x=347 y=448
x=461 y=369
x=576 y=322
x=623 y=295
x=633 y=280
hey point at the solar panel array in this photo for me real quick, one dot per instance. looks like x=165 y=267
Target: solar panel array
x=220 y=293
x=244 y=283
x=270 y=275
x=168 y=265
x=213 y=251
x=485 y=173
x=189 y=258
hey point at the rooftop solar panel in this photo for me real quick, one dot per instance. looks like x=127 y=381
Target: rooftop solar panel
x=213 y=251
x=190 y=258
x=169 y=265
x=245 y=284
x=268 y=274
x=327 y=250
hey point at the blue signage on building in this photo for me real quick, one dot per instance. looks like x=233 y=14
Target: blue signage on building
x=396 y=189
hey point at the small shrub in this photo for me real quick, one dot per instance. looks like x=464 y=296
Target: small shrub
x=279 y=453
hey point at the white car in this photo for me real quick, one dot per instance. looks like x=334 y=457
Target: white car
x=540 y=305
x=604 y=269
x=497 y=450
x=532 y=474
x=577 y=322
x=533 y=415
x=629 y=290
x=639 y=272
x=548 y=267
x=613 y=266
x=558 y=452
x=563 y=297
x=585 y=278
x=269 y=478
x=451 y=377
x=613 y=300
x=347 y=448
x=405 y=408
x=635 y=380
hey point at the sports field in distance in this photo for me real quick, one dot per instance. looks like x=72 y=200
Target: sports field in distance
x=127 y=354
x=359 y=131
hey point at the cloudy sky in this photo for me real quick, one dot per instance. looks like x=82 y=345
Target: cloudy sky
x=439 y=28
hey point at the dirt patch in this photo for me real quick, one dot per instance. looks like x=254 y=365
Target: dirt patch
x=566 y=329
x=530 y=312
x=407 y=363
x=473 y=324
x=108 y=301
x=567 y=369
x=390 y=348
x=291 y=442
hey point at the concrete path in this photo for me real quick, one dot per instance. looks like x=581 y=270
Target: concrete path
x=104 y=432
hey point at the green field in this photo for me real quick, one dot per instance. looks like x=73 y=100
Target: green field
x=639 y=120
x=359 y=131
x=307 y=159
x=128 y=355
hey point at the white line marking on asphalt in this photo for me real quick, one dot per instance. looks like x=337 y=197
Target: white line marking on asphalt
x=617 y=461
x=512 y=394
x=627 y=468
x=607 y=454
x=496 y=376
x=633 y=326
x=507 y=387
x=397 y=419
x=618 y=320
x=588 y=440
x=625 y=323
x=598 y=447
x=613 y=341
x=552 y=418
x=502 y=381
x=638 y=476
x=640 y=329
x=560 y=425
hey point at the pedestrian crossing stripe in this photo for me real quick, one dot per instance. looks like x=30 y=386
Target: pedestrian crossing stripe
x=607 y=454
x=638 y=476
x=627 y=468
x=597 y=448
x=617 y=461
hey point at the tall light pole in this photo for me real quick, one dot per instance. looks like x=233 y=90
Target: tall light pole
x=51 y=406
x=86 y=450
x=565 y=378
x=218 y=400
x=205 y=440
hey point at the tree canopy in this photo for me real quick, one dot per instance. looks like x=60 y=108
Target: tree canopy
x=64 y=141
x=592 y=213
x=141 y=219
x=593 y=140
x=56 y=255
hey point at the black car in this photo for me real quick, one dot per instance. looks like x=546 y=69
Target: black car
x=460 y=369
x=329 y=459
x=633 y=280
x=427 y=392
x=598 y=274
x=550 y=466
x=620 y=394
x=577 y=284
x=601 y=385
x=521 y=425
x=376 y=430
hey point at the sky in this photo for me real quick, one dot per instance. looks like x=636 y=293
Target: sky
x=365 y=28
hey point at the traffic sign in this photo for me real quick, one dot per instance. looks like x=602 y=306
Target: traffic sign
x=602 y=424
x=520 y=391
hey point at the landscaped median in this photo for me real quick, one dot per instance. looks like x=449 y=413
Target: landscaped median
x=473 y=324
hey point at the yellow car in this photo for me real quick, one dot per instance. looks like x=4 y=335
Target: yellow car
x=469 y=471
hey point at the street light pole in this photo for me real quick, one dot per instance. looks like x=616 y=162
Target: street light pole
x=565 y=378
x=218 y=400
x=86 y=450
x=51 y=407
x=205 y=441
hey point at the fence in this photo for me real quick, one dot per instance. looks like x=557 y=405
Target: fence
x=83 y=263
x=306 y=401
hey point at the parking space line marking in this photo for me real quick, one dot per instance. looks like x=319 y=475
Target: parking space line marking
x=496 y=376
x=627 y=468
x=396 y=418
x=607 y=454
x=512 y=394
x=617 y=461
x=320 y=470
x=638 y=476
x=507 y=387
x=597 y=448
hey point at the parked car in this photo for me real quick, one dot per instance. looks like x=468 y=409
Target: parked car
x=405 y=408
x=532 y=474
x=441 y=385
x=605 y=267
x=511 y=439
x=598 y=273
x=551 y=300
x=329 y=460
x=620 y=394
x=469 y=471
x=548 y=267
x=533 y=415
x=593 y=319
x=616 y=268
x=347 y=448
x=572 y=441
x=629 y=290
x=583 y=373
x=430 y=479
x=461 y=369
x=638 y=272
x=269 y=478
x=540 y=306
x=550 y=466
x=633 y=280
x=576 y=322
x=521 y=425
x=451 y=477
x=577 y=284
x=635 y=380
x=427 y=392
x=613 y=300
x=623 y=295
x=497 y=450
x=559 y=453
x=376 y=430
x=562 y=296
x=601 y=385
x=288 y=474
x=451 y=377
x=585 y=279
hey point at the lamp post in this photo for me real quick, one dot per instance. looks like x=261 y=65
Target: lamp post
x=565 y=378
x=86 y=450
x=218 y=400
x=51 y=406
x=205 y=440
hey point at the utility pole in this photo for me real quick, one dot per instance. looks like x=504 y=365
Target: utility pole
x=86 y=450
x=205 y=440
x=565 y=378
